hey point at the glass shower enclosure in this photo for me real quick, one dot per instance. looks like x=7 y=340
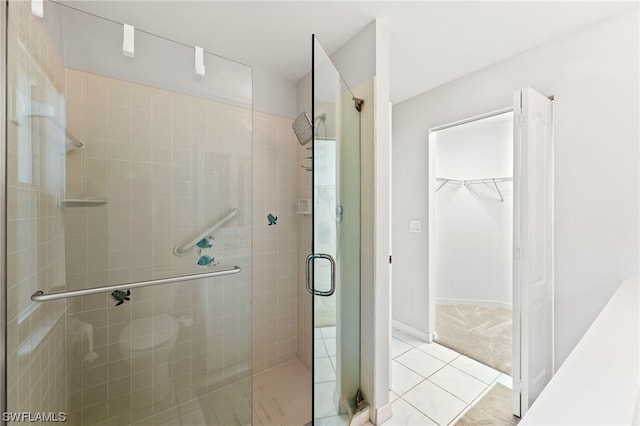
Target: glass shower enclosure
x=334 y=265
x=127 y=225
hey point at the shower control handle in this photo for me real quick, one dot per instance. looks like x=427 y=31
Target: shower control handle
x=332 y=262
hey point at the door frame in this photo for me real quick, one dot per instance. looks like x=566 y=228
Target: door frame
x=517 y=295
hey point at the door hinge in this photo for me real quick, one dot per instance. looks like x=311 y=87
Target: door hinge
x=358 y=103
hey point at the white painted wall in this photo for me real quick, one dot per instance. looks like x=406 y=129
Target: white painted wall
x=95 y=45
x=594 y=76
x=474 y=229
x=382 y=226
x=273 y=94
x=355 y=61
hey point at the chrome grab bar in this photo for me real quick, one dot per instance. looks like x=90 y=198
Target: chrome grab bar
x=39 y=295
x=183 y=249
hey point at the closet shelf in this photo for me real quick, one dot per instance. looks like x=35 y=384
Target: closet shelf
x=466 y=182
x=471 y=181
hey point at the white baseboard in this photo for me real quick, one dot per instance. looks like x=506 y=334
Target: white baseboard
x=360 y=418
x=382 y=414
x=421 y=335
x=446 y=301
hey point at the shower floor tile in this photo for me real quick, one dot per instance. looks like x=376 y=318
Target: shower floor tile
x=282 y=396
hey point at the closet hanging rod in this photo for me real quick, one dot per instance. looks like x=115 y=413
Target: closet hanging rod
x=449 y=180
x=487 y=180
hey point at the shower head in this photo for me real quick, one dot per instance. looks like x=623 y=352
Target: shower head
x=303 y=127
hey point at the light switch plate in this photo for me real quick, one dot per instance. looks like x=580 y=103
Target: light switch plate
x=415 y=226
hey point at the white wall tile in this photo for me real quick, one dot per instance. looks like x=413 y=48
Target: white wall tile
x=36 y=370
x=273 y=254
x=149 y=185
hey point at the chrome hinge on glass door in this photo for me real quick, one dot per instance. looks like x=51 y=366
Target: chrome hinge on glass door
x=332 y=262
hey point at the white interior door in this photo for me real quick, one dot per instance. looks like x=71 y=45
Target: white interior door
x=533 y=247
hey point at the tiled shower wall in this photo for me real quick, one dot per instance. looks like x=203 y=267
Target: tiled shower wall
x=275 y=173
x=305 y=224
x=35 y=234
x=168 y=166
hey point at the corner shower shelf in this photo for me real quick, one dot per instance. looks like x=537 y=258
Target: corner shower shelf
x=81 y=202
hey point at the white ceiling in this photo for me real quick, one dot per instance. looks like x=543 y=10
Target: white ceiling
x=431 y=42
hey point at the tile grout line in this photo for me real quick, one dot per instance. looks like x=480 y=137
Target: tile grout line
x=464 y=410
x=468 y=406
x=417 y=409
x=475 y=377
x=435 y=384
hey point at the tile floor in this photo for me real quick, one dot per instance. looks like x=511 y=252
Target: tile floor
x=430 y=385
x=282 y=396
x=433 y=385
x=324 y=382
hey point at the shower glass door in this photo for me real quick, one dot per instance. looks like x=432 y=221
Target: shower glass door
x=334 y=265
x=116 y=167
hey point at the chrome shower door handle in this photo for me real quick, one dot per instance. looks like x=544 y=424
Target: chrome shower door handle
x=332 y=262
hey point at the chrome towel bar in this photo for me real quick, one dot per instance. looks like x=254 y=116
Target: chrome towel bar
x=39 y=296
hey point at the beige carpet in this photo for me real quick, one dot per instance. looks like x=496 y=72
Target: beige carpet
x=481 y=332
x=493 y=409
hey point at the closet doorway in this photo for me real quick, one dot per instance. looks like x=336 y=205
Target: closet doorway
x=474 y=246
x=474 y=238
x=491 y=241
